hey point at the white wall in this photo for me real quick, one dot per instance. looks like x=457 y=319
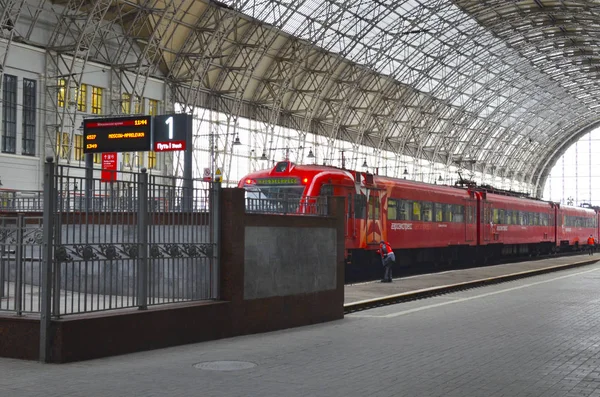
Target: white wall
x=21 y=172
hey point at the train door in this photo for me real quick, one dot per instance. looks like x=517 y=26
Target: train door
x=374 y=214
x=487 y=219
x=470 y=219
x=350 y=214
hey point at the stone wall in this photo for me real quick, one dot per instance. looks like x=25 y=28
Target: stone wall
x=281 y=261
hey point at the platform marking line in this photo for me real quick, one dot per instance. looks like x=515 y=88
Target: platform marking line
x=418 y=309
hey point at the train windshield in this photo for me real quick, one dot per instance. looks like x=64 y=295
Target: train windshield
x=276 y=199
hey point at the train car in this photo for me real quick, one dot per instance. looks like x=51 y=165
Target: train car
x=295 y=187
x=427 y=223
x=573 y=227
x=299 y=187
x=423 y=223
x=514 y=225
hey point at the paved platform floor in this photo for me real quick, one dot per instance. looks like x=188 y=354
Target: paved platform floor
x=538 y=336
x=376 y=289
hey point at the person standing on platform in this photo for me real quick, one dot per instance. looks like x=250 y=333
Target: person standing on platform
x=590 y=244
x=388 y=259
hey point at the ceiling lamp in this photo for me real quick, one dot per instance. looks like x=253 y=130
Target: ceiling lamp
x=365 y=164
x=237 y=141
x=311 y=155
x=264 y=157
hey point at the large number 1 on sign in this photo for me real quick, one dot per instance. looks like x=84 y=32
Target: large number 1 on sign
x=169 y=122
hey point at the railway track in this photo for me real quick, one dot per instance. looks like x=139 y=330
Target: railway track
x=446 y=289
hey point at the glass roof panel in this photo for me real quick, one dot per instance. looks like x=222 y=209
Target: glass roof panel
x=394 y=39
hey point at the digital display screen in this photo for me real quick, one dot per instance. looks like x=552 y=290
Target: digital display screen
x=277 y=181
x=123 y=134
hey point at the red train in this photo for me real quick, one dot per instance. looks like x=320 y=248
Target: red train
x=427 y=223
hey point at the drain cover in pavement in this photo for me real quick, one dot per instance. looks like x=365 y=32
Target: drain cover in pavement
x=224 y=365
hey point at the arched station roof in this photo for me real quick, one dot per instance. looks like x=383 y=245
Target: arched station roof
x=501 y=87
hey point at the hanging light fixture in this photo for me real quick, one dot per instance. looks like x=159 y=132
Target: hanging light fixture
x=405 y=172
x=365 y=165
x=311 y=155
x=440 y=178
x=264 y=157
x=237 y=141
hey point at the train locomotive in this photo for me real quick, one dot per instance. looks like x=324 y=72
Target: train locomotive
x=425 y=223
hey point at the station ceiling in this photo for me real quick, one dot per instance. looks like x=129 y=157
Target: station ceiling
x=496 y=86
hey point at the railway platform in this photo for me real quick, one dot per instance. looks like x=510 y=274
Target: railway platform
x=368 y=294
x=535 y=336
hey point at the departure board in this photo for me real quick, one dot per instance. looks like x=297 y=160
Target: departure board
x=117 y=134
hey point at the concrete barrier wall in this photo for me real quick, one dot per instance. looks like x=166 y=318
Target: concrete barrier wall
x=305 y=287
x=283 y=261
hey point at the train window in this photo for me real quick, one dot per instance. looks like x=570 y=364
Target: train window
x=438 y=210
x=416 y=211
x=470 y=214
x=392 y=210
x=405 y=210
x=374 y=207
x=427 y=211
x=447 y=212
x=495 y=215
x=360 y=206
x=458 y=212
x=326 y=190
x=501 y=217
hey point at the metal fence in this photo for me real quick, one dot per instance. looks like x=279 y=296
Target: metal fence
x=20 y=270
x=292 y=205
x=101 y=246
x=16 y=201
x=112 y=197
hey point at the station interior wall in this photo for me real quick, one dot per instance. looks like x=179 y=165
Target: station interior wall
x=301 y=283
